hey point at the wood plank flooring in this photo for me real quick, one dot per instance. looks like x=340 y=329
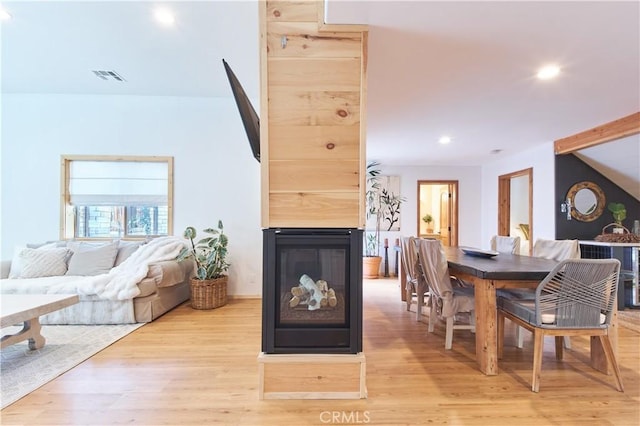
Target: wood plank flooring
x=200 y=368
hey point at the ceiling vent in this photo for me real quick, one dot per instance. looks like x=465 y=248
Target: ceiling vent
x=109 y=75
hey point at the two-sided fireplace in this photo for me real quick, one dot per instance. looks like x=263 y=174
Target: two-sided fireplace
x=312 y=291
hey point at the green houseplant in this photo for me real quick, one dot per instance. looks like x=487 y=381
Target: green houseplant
x=209 y=286
x=427 y=218
x=618 y=211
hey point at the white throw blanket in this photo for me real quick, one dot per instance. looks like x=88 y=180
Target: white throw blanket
x=121 y=281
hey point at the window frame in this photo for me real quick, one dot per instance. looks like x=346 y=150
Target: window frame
x=67 y=215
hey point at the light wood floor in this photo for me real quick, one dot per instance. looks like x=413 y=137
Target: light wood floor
x=199 y=368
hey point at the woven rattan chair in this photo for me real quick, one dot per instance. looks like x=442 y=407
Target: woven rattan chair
x=416 y=287
x=558 y=250
x=447 y=300
x=503 y=244
x=576 y=298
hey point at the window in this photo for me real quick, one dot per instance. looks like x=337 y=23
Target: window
x=116 y=197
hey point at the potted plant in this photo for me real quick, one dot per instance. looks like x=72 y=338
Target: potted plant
x=619 y=213
x=209 y=285
x=383 y=207
x=427 y=218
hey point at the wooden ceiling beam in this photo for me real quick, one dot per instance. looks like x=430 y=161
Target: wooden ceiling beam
x=616 y=129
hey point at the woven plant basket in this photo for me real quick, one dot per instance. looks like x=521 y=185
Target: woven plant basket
x=625 y=237
x=209 y=294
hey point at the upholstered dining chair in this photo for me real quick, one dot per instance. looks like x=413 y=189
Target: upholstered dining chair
x=503 y=244
x=416 y=287
x=576 y=298
x=557 y=250
x=447 y=300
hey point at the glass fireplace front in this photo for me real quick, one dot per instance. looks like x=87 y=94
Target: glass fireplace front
x=312 y=291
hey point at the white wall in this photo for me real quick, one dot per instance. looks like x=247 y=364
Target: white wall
x=215 y=175
x=469 y=200
x=478 y=195
x=541 y=159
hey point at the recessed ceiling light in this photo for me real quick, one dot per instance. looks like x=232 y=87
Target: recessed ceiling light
x=444 y=140
x=4 y=15
x=548 y=72
x=164 y=17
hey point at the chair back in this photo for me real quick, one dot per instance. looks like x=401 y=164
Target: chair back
x=503 y=244
x=435 y=268
x=578 y=293
x=409 y=259
x=556 y=249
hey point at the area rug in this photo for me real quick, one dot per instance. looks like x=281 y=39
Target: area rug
x=22 y=370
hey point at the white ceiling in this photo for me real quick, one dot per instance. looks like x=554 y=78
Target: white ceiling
x=465 y=69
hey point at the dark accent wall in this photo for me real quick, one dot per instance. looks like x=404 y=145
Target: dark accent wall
x=570 y=170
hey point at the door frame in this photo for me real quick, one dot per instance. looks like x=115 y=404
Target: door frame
x=504 y=203
x=453 y=207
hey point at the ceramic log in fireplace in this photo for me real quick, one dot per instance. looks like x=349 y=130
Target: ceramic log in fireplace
x=312 y=291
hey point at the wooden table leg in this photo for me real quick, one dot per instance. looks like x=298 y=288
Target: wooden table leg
x=30 y=331
x=486 y=326
x=598 y=357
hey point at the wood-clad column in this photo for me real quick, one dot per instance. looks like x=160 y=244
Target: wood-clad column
x=312 y=138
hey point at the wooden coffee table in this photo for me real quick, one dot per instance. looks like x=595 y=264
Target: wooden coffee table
x=27 y=308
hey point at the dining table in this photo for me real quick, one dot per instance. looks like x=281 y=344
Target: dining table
x=488 y=272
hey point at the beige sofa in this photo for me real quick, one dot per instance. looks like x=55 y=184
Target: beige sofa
x=142 y=283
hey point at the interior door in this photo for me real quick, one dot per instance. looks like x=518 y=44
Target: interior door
x=438 y=199
x=515 y=207
x=445 y=216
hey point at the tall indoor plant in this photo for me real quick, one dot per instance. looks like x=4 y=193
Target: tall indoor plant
x=209 y=286
x=384 y=207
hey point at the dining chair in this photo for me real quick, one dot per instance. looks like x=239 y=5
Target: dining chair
x=503 y=244
x=557 y=250
x=447 y=300
x=577 y=298
x=415 y=285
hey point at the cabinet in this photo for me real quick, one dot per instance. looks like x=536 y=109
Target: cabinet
x=628 y=254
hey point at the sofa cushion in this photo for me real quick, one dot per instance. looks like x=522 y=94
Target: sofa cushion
x=48 y=244
x=91 y=259
x=16 y=262
x=126 y=249
x=37 y=263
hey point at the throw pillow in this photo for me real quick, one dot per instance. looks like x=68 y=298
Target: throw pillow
x=16 y=261
x=126 y=249
x=43 y=262
x=89 y=259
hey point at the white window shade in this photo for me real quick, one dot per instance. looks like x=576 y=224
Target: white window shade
x=125 y=183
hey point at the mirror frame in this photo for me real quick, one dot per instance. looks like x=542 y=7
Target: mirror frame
x=600 y=201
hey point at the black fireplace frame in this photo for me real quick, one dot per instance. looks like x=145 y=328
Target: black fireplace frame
x=345 y=339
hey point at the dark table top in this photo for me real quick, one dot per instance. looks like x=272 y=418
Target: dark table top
x=504 y=266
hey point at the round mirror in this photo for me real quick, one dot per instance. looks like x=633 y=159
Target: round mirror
x=587 y=201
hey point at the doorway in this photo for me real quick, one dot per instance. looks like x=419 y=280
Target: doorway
x=515 y=207
x=438 y=211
